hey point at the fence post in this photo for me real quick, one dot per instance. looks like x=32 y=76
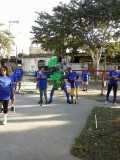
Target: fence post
x=102 y=83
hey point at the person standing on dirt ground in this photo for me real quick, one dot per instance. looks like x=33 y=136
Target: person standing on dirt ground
x=85 y=78
x=19 y=74
x=113 y=76
x=6 y=91
x=42 y=85
x=35 y=81
x=14 y=80
x=73 y=79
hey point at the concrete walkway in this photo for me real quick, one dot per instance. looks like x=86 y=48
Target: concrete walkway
x=43 y=133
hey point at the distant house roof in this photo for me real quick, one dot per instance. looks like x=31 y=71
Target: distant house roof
x=49 y=55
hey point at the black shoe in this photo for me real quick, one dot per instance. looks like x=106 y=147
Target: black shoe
x=76 y=102
x=1 y=110
x=12 y=109
x=40 y=102
x=68 y=101
x=46 y=102
x=71 y=102
x=83 y=90
x=50 y=101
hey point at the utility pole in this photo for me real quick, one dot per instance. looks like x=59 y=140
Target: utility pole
x=14 y=22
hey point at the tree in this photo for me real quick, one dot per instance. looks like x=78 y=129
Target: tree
x=98 y=22
x=52 y=31
x=89 y=25
x=21 y=55
x=6 y=40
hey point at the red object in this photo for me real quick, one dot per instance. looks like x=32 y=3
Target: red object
x=103 y=77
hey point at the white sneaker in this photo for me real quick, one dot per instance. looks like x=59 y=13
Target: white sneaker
x=106 y=102
x=115 y=104
x=4 y=119
x=37 y=91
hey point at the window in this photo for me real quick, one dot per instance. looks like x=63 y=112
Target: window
x=41 y=63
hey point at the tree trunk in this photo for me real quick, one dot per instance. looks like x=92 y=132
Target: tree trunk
x=96 y=60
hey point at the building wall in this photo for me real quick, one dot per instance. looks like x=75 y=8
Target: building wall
x=31 y=64
x=36 y=50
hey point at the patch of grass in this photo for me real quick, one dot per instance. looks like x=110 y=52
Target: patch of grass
x=102 y=143
x=102 y=99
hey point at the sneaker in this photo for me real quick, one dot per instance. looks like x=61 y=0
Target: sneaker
x=37 y=91
x=68 y=101
x=40 y=102
x=12 y=109
x=4 y=122
x=50 y=101
x=1 y=110
x=4 y=119
x=19 y=91
x=71 y=102
x=115 y=104
x=16 y=91
x=106 y=102
x=83 y=90
x=76 y=102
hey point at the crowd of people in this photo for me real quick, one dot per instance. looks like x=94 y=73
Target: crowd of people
x=11 y=78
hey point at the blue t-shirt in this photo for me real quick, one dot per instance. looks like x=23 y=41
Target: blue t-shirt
x=36 y=74
x=6 y=85
x=72 y=77
x=113 y=73
x=42 y=82
x=19 y=73
x=13 y=78
x=85 y=76
x=118 y=75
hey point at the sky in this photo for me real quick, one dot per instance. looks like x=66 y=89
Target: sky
x=19 y=15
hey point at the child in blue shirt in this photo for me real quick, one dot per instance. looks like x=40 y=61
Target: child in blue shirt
x=19 y=74
x=85 y=78
x=42 y=85
x=73 y=79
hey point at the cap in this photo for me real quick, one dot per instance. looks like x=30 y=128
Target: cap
x=58 y=66
x=19 y=65
x=69 y=68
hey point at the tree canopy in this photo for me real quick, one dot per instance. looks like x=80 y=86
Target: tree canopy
x=6 y=40
x=89 y=25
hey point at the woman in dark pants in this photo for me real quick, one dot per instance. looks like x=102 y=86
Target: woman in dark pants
x=6 y=91
x=114 y=76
